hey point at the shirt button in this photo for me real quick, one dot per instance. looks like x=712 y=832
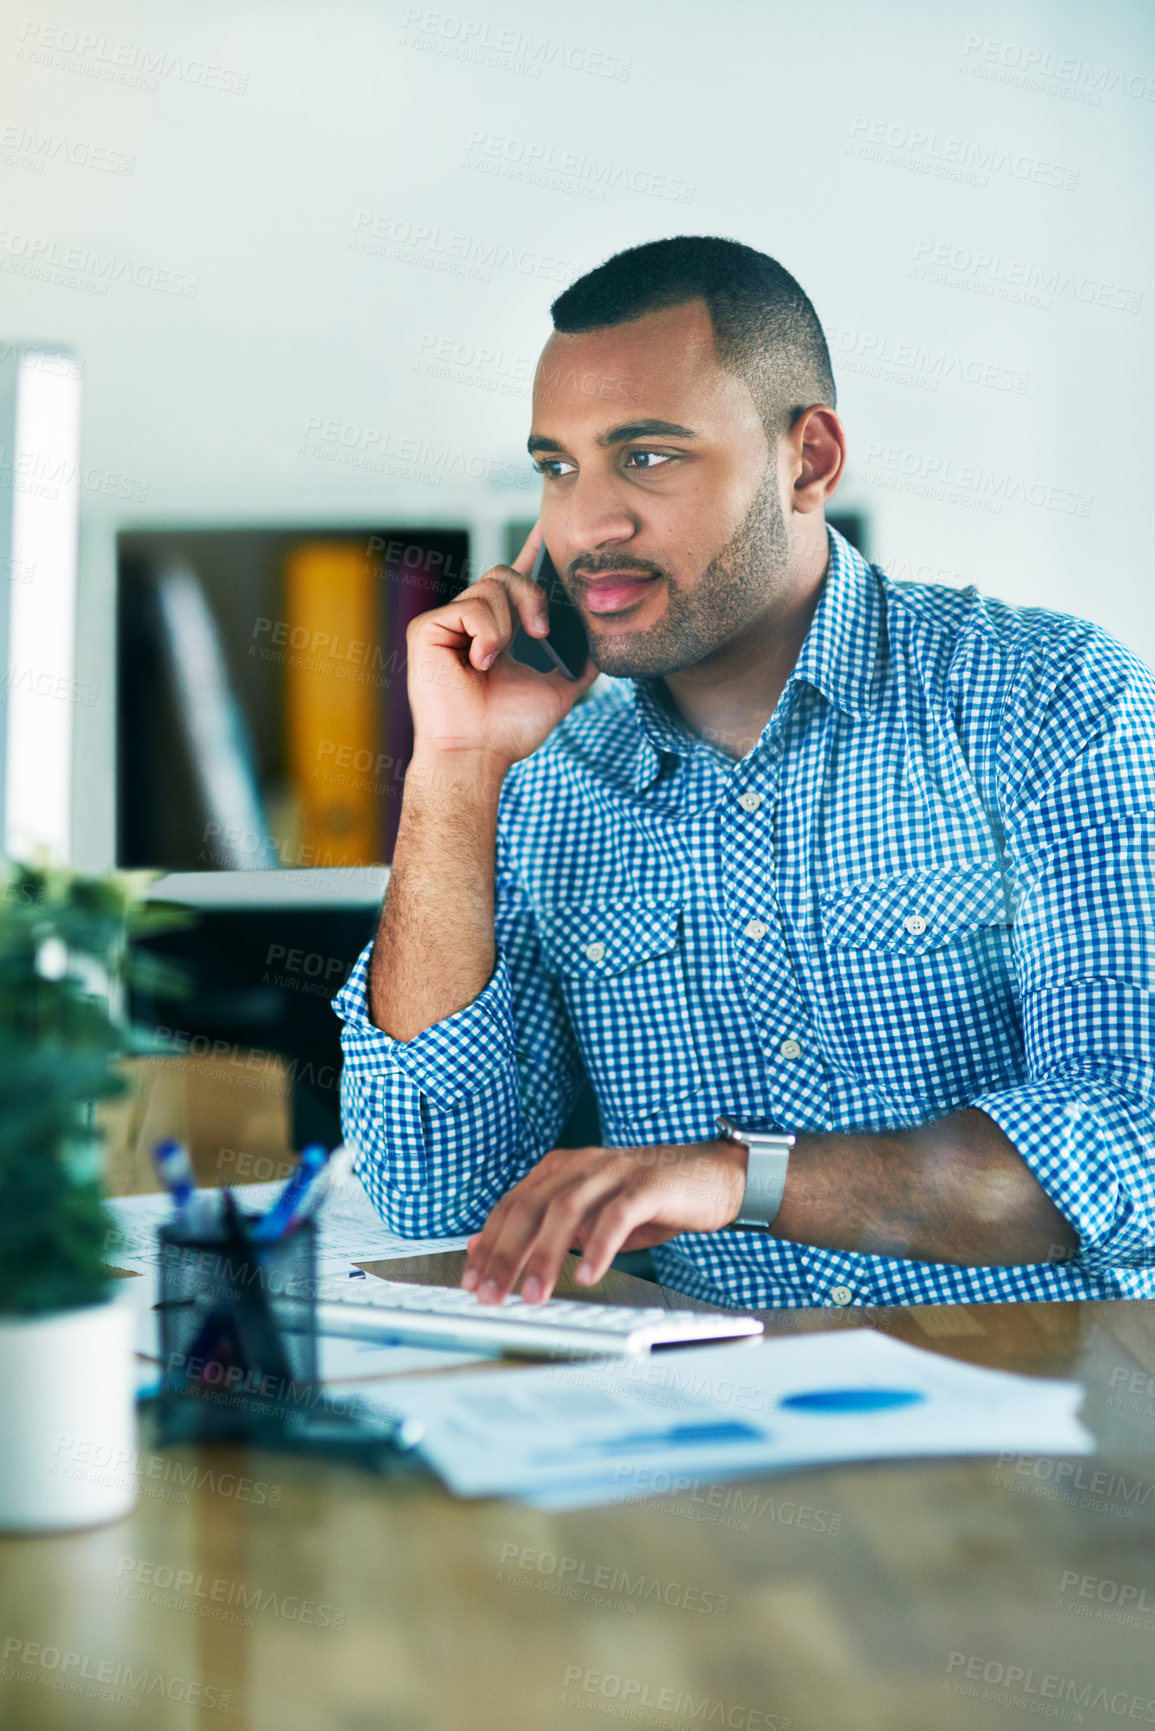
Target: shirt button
x=757 y=929
x=790 y=1049
x=915 y=925
x=595 y=952
x=749 y=801
x=841 y=1294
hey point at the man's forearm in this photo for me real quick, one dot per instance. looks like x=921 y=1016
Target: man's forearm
x=435 y=948
x=955 y=1191
x=952 y=1191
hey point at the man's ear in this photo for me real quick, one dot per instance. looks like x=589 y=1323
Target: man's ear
x=817 y=457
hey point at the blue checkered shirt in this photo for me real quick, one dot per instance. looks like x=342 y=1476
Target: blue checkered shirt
x=929 y=885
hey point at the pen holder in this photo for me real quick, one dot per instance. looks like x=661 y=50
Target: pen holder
x=238 y=1331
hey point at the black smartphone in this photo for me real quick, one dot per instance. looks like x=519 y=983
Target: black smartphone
x=567 y=646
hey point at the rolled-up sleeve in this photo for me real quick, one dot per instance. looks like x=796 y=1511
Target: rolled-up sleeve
x=446 y=1122
x=1078 y=803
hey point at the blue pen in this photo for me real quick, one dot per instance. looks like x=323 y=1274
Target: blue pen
x=176 y=1174
x=276 y=1222
x=333 y=1175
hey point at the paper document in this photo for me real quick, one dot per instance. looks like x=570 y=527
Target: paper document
x=349 y=1229
x=564 y=1436
x=347 y=1367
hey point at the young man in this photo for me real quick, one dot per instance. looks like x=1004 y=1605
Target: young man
x=864 y=863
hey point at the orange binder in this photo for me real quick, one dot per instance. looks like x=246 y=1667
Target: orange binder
x=333 y=706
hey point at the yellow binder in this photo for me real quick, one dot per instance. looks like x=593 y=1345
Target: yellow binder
x=332 y=701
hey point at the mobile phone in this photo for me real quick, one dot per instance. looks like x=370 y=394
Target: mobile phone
x=567 y=646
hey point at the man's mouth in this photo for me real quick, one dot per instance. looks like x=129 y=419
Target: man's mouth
x=614 y=591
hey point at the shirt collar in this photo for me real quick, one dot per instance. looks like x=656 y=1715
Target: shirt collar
x=840 y=652
x=839 y=657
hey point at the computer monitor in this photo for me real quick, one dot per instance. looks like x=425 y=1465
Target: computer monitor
x=40 y=386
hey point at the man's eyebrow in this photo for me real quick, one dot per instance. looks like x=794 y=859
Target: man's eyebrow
x=645 y=430
x=619 y=435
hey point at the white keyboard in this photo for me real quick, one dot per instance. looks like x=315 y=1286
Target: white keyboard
x=375 y=1309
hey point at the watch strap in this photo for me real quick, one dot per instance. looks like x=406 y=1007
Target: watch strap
x=768 y=1159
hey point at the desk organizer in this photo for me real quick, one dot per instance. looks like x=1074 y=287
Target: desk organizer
x=238 y=1336
x=238 y=1330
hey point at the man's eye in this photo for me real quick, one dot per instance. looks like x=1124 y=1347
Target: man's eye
x=553 y=467
x=647 y=459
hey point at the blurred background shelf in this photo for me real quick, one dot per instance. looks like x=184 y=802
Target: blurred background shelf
x=308 y=625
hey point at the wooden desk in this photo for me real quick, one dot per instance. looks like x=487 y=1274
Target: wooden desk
x=856 y=1598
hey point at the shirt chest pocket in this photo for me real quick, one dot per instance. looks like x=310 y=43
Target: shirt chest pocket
x=622 y=968
x=920 y=988
x=916 y=912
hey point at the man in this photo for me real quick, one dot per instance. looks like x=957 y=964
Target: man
x=864 y=863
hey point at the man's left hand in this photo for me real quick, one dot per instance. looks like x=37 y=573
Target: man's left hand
x=603 y=1200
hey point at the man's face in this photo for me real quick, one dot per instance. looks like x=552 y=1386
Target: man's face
x=661 y=502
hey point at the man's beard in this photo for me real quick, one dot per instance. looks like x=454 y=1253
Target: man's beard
x=735 y=588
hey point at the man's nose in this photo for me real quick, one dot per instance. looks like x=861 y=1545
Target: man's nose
x=597 y=517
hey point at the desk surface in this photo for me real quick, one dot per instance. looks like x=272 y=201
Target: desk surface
x=871 y=1598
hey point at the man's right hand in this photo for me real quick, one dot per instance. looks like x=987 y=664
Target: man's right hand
x=469 y=697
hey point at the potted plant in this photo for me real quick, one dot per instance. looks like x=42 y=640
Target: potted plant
x=67 y=1373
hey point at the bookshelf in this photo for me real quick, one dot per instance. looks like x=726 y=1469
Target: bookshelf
x=310 y=625
x=307 y=622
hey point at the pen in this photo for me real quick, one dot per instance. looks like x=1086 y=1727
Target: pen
x=330 y=1178
x=276 y=1222
x=176 y=1174
x=240 y=1327
x=252 y=1315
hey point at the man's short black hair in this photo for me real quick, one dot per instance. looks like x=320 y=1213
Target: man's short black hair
x=765 y=328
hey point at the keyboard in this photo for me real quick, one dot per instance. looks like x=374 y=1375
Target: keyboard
x=386 y=1310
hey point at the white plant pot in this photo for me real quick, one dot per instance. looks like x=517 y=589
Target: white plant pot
x=67 y=1418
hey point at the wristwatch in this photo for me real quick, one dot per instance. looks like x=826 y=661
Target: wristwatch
x=765 y=1172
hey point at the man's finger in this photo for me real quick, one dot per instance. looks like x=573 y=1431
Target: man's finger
x=480 y=1245
x=469 y=623
x=558 y=1234
x=558 y=1210
x=496 y=596
x=500 y=1263
x=622 y=1215
x=525 y=559
x=530 y=600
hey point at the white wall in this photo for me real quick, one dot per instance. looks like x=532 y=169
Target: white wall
x=247 y=184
